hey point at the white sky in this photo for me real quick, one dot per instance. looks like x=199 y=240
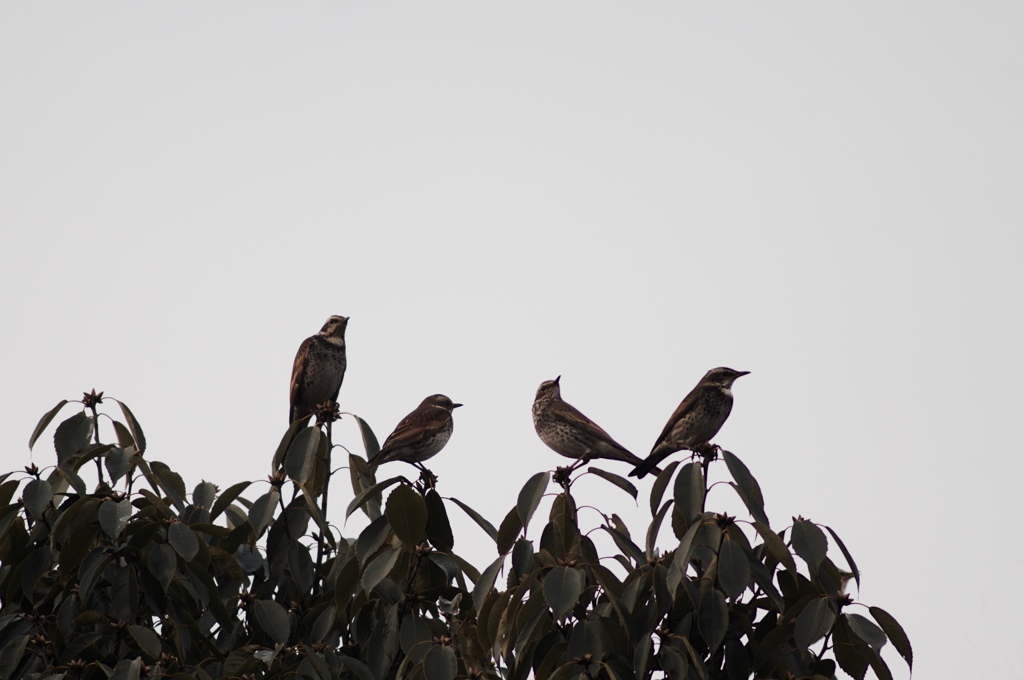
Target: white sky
x=826 y=194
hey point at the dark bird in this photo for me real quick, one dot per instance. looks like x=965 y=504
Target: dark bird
x=420 y=435
x=319 y=369
x=570 y=433
x=698 y=418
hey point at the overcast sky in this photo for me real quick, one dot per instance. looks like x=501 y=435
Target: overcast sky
x=829 y=195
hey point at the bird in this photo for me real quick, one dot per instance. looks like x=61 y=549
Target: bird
x=568 y=432
x=420 y=435
x=319 y=369
x=697 y=419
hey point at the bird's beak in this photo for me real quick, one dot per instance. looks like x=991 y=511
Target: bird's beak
x=741 y=373
x=456 y=405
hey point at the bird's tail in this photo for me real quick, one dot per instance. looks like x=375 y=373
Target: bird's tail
x=649 y=464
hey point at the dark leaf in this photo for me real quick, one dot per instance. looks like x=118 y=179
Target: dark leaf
x=407 y=514
x=746 y=486
x=814 y=621
x=127 y=669
x=72 y=436
x=529 y=497
x=37 y=496
x=379 y=567
x=227 y=498
x=301 y=455
x=124 y=435
x=660 y=484
x=809 y=542
x=76 y=482
x=652 y=530
x=147 y=640
x=162 y=564
x=439 y=529
x=183 y=540
x=114 y=516
x=867 y=631
x=562 y=588
x=486 y=581
x=440 y=664
x=847 y=555
x=851 y=652
x=273 y=619
x=371 y=538
x=370 y=444
x=689 y=491
x=776 y=546
x=287 y=438
x=415 y=637
x=171 y=483
x=44 y=421
x=508 y=531
x=733 y=568
x=712 y=618
x=895 y=632
x=618 y=481
x=681 y=557
x=478 y=518
x=133 y=425
x=368 y=494
x=203 y=494
x=118 y=462
x=318 y=517
x=262 y=511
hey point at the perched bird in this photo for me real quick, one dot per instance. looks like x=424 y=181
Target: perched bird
x=570 y=433
x=420 y=435
x=698 y=418
x=319 y=368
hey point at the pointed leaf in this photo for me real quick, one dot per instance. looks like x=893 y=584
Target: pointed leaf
x=814 y=620
x=846 y=555
x=439 y=529
x=562 y=589
x=746 y=486
x=370 y=444
x=71 y=436
x=483 y=586
x=124 y=435
x=133 y=425
x=379 y=567
x=183 y=540
x=287 y=438
x=301 y=455
x=147 y=640
x=733 y=568
x=895 y=633
x=712 y=618
x=776 y=546
x=867 y=631
x=689 y=491
x=368 y=494
x=204 y=494
x=661 y=483
x=530 y=495
x=618 y=481
x=44 y=421
x=478 y=518
x=118 y=462
x=227 y=498
x=273 y=619
x=114 y=516
x=127 y=669
x=262 y=511
x=163 y=564
x=652 y=530
x=851 y=652
x=809 y=542
x=440 y=664
x=509 y=531
x=76 y=482
x=318 y=517
x=407 y=514
x=37 y=495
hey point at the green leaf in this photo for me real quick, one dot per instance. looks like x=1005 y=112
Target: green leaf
x=712 y=618
x=37 y=495
x=508 y=531
x=810 y=543
x=227 y=498
x=301 y=456
x=439 y=529
x=171 y=483
x=867 y=631
x=133 y=425
x=478 y=518
x=407 y=514
x=273 y=619
x=482 y=588
x=814 y=620
x=733 y=568
x=415 y=637
x=118 y=462
x=371 y=538
x=11 y=655
x=746 y=486
x=368 y=494
x=847 y=555
x=163 y=564
x=147 y=640
x=318 y=517
x=851 y=652
x=689 y=491
x=72 y=478
x=183 y=540
x=287 y=438
x=203 y=494
x=440 y=664
x=44 y=421
x=370 y=444
x=530 y=495
x=127 y=669
x=72 y=436
x=661 y=483
x=895 y=632
x=262 y=511
x=617 y=480
x=681 y=557
x=562 y=589
x=652 y=530
x=114 y=516
x=776 y=546
x=379 y=567
x=124 y=435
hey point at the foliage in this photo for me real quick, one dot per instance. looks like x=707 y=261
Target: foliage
x=140 y=578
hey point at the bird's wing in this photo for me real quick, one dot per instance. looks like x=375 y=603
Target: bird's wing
x=297 y=368
x=685 y=405
x=413 y=428
x=570 y=414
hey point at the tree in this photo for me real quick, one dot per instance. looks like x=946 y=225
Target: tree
x=140 y=578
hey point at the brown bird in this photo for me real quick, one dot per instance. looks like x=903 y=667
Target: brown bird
x=698 y=418
x=420 y=435
x=570 y=433
x=319 y=369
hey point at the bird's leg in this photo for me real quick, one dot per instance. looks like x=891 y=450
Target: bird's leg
x=428 y=478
